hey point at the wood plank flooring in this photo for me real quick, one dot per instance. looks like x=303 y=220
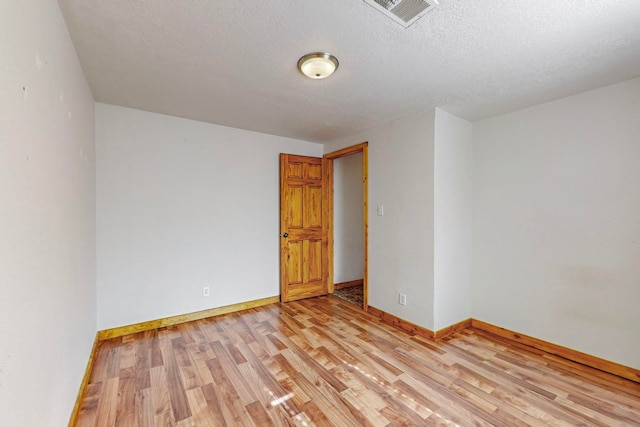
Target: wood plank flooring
x=324 y=362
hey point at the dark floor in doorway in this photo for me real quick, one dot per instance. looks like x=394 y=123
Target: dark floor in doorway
x=352 y=294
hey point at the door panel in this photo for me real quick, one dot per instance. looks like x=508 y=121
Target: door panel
x=303 y=227
x=315 y=259
x=313 y=207
x=295 y=206
x=295 y=262
x=315 y=172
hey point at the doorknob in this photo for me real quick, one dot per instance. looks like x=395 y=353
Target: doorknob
x=285 y=235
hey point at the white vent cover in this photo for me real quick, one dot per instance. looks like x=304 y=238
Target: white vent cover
x=404 y=12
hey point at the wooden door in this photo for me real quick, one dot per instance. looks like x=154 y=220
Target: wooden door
x=305 y=211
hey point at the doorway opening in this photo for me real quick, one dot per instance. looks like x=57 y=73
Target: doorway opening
x=348 y=245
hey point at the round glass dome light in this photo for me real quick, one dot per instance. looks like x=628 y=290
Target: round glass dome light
x=318 y=65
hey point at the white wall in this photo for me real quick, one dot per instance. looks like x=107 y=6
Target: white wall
x=183 y=205
x=453 y=183
x=557 y=222
x=47 y=217
x=401 y=241
x=347 y=219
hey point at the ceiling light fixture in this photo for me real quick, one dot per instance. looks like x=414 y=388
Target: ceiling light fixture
x=318 y=65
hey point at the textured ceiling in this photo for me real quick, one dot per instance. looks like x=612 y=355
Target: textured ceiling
x=234 y=62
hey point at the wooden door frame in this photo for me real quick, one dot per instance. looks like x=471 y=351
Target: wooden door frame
x=330 y=157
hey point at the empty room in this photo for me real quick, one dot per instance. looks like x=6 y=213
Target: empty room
x=329 y=213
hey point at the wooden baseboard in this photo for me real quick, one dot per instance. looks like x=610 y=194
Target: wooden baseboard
x=549 y=348
x=154 y=324
x=73 y=420
x=412 y=328
x=450 y=330
x=182 y=318
x=399 y=323
x=558 y=350
x=349 y=284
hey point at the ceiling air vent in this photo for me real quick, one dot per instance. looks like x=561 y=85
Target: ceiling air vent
x=404 y=12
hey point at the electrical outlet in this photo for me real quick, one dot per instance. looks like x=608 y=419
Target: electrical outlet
x=380 y=210
x=205 y=291
x=402 y=299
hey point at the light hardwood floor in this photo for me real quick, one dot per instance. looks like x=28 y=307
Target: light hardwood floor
x=323 y=361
